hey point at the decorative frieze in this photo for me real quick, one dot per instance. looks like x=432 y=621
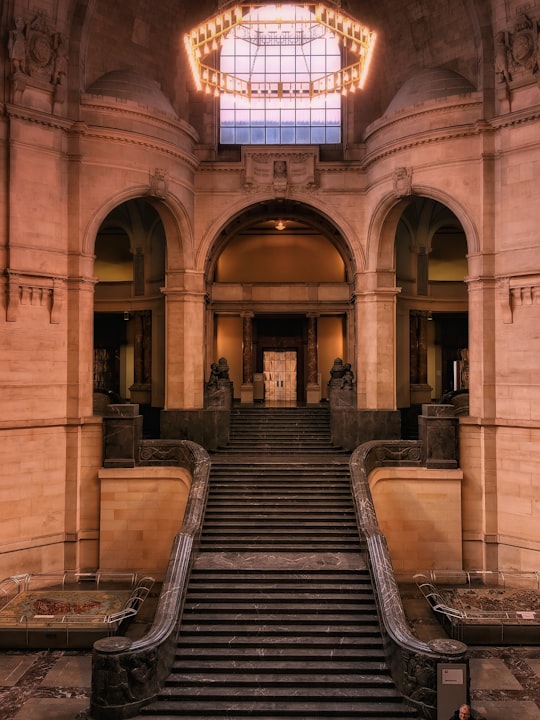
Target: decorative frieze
x=517 y=292
x=33 y=290
x=280 y=171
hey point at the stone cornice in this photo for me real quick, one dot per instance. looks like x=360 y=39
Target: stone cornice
x=422 y=110
x=519 y=117
x=422 y=138
x=99 y=104
x=517 y=291
x=38 y=117
x=138 y=139
x=28 y=288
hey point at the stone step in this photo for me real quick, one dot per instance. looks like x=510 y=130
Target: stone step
x=306 y=648
x=247 y=687
x=360 y=628
x=282 y=680
x=278 y=546
x=338 y=708
x=279 y=643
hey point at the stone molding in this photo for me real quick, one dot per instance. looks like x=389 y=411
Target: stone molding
x=34 y=290
x=518 y=291
x=38 y=117
x=95 y=132
x=428 y=137
x=280 y=171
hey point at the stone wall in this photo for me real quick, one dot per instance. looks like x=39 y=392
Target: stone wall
x=141 y=511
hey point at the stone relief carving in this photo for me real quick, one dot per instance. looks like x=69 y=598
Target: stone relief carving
x=279 y=172
x=402 y=177
x=38 y=57
x=517 y=292
x=517 y=54
x=34 y=291
x=159 y=185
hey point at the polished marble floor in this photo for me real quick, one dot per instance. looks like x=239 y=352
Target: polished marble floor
x=55 y=684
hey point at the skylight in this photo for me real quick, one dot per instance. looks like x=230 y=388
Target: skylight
x=279 y=70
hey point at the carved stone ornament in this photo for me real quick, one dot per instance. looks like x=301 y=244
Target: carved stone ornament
x=403 y=181
x=517 y=292
x=35 y=292
x=517 y=54
x=38 y=57
x=159 y=185
x=279 y=172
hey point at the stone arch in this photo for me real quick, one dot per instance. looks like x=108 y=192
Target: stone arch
x=340 y=233
x=177 y=225
x=382 y=228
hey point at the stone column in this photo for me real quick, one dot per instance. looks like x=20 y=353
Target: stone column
x=246 y=389
x=375 y=327
x=313 y=389
x=420 y=390
x=142 y=357
x=185 y=336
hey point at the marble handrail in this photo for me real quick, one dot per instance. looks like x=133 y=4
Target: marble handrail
x=127 y=674
x=413 y=662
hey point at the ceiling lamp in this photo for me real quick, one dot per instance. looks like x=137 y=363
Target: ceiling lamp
x=280 y=225
x=206 y=39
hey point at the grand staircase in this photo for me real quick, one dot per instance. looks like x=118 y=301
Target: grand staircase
x=280 y=619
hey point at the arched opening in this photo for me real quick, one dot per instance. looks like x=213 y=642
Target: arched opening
x=279 y=309
x=129 y=310
x=432 y=326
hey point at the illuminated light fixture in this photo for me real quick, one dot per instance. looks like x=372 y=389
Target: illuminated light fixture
x=204 y=40
x=280 y=225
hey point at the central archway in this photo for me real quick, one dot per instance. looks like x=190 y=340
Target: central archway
x=279 y=281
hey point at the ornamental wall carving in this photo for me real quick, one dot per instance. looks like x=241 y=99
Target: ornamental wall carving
x=38 y=58
x=517 y=55
x=279 y=172
x=518 y=292
x=34 y=291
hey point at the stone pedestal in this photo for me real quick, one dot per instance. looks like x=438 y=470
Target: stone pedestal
x=438 y=430
x=313 y=394
x=420 y=393
x=246 y=393
x=219 y=397
x=122 y=432
x=141 y=394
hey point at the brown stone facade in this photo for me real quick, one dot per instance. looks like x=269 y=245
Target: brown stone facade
x=125 y=226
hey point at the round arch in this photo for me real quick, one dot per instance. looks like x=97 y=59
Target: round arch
x=306 y=308
x=385 y=218
x=176 y=222
x=431 y=320
x=242 y=217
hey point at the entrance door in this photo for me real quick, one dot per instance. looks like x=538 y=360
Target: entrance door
x=279 y=375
